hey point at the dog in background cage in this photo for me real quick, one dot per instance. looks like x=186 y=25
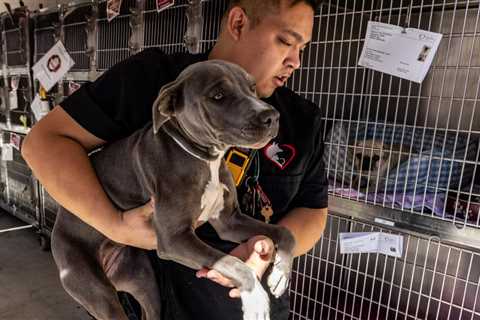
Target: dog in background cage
x=374 y=160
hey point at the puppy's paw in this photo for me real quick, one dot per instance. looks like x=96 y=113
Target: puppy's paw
x=279 y=279
x=255 y=303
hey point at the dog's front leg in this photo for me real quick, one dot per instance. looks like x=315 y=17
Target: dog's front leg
x=238 y=227
x=186 y=248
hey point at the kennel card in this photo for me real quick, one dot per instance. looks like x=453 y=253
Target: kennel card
x=52 y=66
x=390 y=244
x=358 y=242
x=113 y=9
x=39 y=107
x=403 y=52
x=7 y=152
x=13 y=98
x=13 y=94
x=371 y=242
x=164 y=4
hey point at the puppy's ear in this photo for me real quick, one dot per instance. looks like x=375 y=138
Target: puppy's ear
x=168 y=102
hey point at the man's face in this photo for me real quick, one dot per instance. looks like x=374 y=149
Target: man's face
x=271 y=51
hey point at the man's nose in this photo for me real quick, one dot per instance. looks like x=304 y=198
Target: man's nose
x=293 y=59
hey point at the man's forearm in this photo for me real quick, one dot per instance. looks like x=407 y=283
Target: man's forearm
x=64 y=169
x=306 y=225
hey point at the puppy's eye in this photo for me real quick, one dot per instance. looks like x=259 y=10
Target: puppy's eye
x=218 y=96
x=253 y=88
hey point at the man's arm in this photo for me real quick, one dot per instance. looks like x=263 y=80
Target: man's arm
x=56 y=149
x=307 y=226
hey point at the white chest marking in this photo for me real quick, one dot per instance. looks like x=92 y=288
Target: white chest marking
x=212 y=199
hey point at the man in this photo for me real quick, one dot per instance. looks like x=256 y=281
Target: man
x=266 y=38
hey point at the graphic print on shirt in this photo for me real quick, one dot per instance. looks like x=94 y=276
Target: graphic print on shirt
x=280 y=154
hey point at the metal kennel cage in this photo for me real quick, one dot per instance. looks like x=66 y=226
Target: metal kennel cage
x=16 y=49
x=77 y=20
x=166 y=29
x=113 y=37
x=16 y=37
x=435 y=123
x=432 y=280
x=21 y=188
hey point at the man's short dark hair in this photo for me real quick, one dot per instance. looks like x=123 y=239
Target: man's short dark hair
x=255 y=9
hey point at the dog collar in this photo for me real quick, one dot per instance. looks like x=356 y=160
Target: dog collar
x=199 y=152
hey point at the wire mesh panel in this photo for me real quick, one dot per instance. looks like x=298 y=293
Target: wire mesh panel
x=212 y=11
x=166 y=29
x=22 y=199
x=21 y=115
x=45 y=33
x=16 y=37
x=3 y=176
x=113 y=36
x=431 y=280
x=392 y=142
x=75 y=36
x=3 y=103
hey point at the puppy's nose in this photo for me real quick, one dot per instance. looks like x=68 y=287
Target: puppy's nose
x=268 y=118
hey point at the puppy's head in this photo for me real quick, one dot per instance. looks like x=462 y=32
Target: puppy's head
x=215 y=102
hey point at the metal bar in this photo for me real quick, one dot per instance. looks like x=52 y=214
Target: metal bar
x=16 y=228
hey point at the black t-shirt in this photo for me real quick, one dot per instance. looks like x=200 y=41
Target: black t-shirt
x=291 y=170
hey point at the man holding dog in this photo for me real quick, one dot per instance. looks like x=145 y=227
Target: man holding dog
x=266 y=38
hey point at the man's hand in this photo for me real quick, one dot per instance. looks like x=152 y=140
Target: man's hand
x=257 y=253
x=135 y=228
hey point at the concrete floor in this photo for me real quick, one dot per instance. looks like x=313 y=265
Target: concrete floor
x=29 y=285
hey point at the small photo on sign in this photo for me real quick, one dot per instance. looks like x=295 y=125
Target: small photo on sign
x=15 y=140
x=54 y=63
x=424 y=53
x=113 y=9
x=164 y=4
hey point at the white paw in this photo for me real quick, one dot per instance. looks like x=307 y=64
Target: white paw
x=255 y=304
x=278 y=279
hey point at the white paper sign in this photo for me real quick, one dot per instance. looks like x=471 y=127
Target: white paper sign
x=113 y=9
x=403 y=52
x=7 y=152
x=371 y=242
x=39 y=107
x=164 y=4
x=12 y=95
x=52 y=66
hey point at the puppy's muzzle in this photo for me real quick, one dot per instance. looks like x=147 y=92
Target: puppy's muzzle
x=267 y=119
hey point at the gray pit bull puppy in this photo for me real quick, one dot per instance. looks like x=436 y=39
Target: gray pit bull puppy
x=178 y=159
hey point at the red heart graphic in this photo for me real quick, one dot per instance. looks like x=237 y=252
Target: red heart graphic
x=281 y=155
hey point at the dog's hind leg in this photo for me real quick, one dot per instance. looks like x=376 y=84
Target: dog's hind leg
x=134 y=274
x=89 y=286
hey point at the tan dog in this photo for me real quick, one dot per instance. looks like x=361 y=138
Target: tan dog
x=374 y=160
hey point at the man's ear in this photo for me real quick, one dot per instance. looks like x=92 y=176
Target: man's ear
x=168 y=103
x=237 y=20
